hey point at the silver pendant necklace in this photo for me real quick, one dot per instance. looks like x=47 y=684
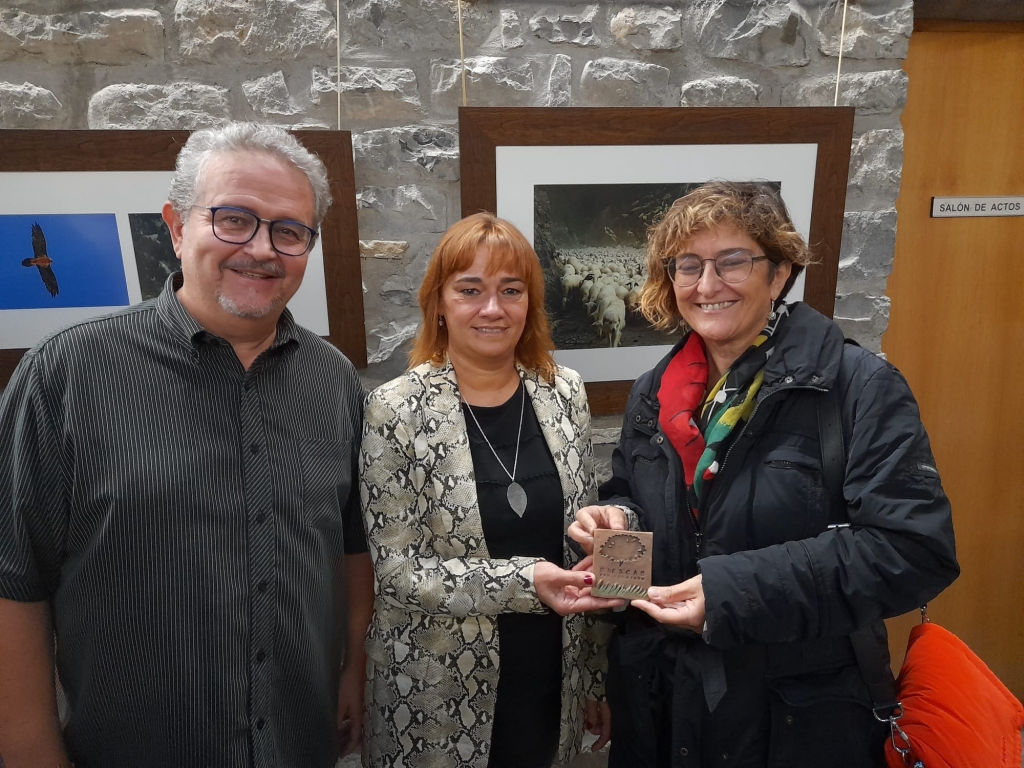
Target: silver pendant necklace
x=515 y=493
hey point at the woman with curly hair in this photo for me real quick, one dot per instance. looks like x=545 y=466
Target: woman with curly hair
x=742 y=654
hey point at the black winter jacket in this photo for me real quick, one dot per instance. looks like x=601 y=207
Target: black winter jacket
x=782 y=591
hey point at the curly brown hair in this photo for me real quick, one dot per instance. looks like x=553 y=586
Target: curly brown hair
x=754 y=208
x=509 y=251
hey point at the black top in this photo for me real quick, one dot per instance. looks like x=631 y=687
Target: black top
x=527 y=710
x=186 y=520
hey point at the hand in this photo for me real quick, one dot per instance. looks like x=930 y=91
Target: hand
x=681 y=605
x=597 y=719
x=589 y=519
x=350 y=708
x=567 y=592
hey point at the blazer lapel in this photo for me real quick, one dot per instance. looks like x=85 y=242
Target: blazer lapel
x=551 y=402
x=449 y=464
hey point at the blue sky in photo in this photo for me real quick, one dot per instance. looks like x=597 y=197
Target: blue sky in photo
x=86 y=255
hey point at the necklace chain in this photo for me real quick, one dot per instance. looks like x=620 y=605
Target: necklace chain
x=522 y=410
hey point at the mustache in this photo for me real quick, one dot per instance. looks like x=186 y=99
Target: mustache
x=271 y=268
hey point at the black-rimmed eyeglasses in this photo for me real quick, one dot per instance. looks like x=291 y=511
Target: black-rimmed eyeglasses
x=732 y=267
x=238 y=226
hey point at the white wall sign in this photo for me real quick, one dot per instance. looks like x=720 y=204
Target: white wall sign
x=960 y=207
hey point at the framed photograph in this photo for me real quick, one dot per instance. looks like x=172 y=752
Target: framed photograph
x=82 y=234
x=584 y=185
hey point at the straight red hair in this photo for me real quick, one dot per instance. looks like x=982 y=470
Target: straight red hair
x=510 y=252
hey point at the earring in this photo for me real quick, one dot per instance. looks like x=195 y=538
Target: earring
x=440 y=322
x=772 y=314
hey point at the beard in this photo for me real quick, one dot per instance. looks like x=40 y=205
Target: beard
x=251 y=304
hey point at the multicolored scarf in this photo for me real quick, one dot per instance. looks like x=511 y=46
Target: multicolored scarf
x=699 y=437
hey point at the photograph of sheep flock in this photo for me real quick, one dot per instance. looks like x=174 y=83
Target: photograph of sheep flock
x=591 y=240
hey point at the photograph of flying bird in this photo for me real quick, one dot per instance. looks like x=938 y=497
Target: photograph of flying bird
x=41 y=261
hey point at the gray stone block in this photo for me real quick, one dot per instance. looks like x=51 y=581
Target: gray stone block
x=863 y=318
x=875 y=167
x=92 y=37
x=392 y=336
x=511 y=30
x=410 y=153
x=178 y=105
x=491 y=81
x=209 y=30
x=769 y=34
x=407 y=209
x=869 y=242
x=872 y=93
x=368 y=93
x=556 y=26
x=623 y=83
x=559 y=90
x=721 y=91
x=873 y=31
x=29 y=106
x=270 y=96
x=647 y=29
x=424 y=25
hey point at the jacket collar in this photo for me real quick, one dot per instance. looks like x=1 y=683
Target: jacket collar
x=807 y=353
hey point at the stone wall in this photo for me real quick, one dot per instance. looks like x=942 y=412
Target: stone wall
x=193 y=63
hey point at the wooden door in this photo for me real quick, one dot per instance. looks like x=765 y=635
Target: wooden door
x=957 y=324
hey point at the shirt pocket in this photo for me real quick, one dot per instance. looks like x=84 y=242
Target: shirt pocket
x=326 y=481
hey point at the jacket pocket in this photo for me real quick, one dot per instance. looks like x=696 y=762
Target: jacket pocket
x=326 y=481
x=788 y=498
x=810 y=671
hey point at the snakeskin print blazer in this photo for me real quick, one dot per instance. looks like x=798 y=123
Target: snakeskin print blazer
x=432 y=669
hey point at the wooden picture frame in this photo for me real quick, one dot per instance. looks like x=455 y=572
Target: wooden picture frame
x=823 y=133
x=99 y=152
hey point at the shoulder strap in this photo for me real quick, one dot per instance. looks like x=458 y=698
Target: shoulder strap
x=874 y=667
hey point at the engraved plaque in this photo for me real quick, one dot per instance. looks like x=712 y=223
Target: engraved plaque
x=622 y=563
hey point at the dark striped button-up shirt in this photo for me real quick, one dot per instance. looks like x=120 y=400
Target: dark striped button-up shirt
x=187 y=521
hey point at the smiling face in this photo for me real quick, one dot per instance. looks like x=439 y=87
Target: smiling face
x=728 y=316
x=227 y=284
x=484 y=314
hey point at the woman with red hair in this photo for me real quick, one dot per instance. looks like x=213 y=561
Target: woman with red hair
x=473 y=464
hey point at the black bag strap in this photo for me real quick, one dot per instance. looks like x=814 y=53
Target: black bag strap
x=873 y=665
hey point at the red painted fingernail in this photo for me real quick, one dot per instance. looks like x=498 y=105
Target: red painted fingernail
x=588 y=579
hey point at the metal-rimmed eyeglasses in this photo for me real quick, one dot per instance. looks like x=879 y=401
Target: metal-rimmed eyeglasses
x=238 y=226
x=731 y=266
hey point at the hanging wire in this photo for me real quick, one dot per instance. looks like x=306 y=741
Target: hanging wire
x=337 y=16
x=462 y=55
x=842 y=41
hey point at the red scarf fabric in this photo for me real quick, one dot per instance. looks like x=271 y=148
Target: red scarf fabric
x=680 y=396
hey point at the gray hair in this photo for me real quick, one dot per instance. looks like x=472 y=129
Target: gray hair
x=245 y=137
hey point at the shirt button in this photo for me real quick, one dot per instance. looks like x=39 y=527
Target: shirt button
x=684 y=751
x=260 y=517
x=725 y=756
x=789 y=719
x=261 y=655
x=254 y=448
x=260 y=723
x=788 y=380
x=262 y=586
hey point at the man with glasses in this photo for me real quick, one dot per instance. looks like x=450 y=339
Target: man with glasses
x=178 y=503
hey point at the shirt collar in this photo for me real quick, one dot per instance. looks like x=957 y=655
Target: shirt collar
x=188 y=330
